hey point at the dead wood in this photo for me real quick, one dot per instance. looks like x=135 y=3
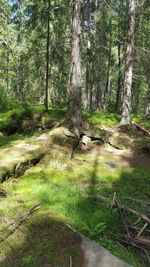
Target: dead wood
x=141 y=129
x=121 y=207
x=137 y=200
x=141 y=242
x=18 y=221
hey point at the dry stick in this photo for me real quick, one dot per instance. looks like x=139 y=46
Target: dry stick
x=22 y=217
x=138 y=229
x=137 y=200
x=142 y=130
x=142 y=229
x=137 y=221
x=122 y=218
x=122 y=207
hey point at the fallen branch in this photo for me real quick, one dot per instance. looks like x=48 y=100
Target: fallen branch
x=137 y=200
x=141 y=129
x=121 y=207
x=21 y=218
x=142 y=230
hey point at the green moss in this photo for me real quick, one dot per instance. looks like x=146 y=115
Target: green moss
x=142 y=120
x=61 y=185
x=102 y=118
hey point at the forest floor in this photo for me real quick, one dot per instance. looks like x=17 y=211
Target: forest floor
x=60 y=184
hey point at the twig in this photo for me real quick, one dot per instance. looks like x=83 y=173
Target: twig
x=122 y=218
x=137 y=200
x=122 y=207
x=22 y=217
x=143 y=228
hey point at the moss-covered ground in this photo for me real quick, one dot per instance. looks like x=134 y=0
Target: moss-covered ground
x=61 y=185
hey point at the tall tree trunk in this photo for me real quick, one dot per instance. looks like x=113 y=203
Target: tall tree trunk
x=86 y=104
x=102 y=29
x=107 y=91
x=74 y=116
x=126 y=105
x=47 y=56
x=88 y=63
x=148 y=104
x=118 y=98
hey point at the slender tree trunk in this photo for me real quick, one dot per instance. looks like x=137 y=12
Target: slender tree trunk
x=148 y=104
x=88 y=64
x=118 y=98
x=100 y=94
x=86 y=105
x=74 y=117
x=107 y=91
x=7 y=71
x=126 y=105
x=47 y=56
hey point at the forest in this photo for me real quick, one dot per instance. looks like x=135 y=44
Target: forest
x=74 y=133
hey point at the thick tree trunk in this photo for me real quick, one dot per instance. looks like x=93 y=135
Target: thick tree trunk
x=47 y=56
x=126 y=105
x=74 y=117
x=148 y=104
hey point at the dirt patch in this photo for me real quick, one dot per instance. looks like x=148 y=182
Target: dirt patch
x=136 y=159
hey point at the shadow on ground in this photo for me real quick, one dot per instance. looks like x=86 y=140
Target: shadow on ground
x=43 y=241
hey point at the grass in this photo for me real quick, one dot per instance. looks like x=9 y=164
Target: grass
x=61 y=190
x=61 y=185
x=142 y=120
x=7 y=140
x=102 y=118
x=11 y=121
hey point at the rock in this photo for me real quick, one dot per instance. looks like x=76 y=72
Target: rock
x=98 y=256
x=68 y=133
x=85 y=140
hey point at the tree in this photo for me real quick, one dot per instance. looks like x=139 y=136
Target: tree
x=148 y=104
x=126 y=105
x=75 y=76
x=47 y=56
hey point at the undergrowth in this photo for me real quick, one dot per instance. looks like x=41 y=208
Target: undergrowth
x=63 y=193
x=61 y=186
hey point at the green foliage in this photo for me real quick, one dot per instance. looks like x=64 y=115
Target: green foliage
x=11 y=120
x=92 y=229
x=6 y=103
x=142 y=120
x=102 y=118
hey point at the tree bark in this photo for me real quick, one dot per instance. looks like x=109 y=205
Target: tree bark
x=126 y=105
x=101 y=28
x=148 y=98
x=47 y=56
x=74 y=118
x=107 y=91
x=119 y=78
